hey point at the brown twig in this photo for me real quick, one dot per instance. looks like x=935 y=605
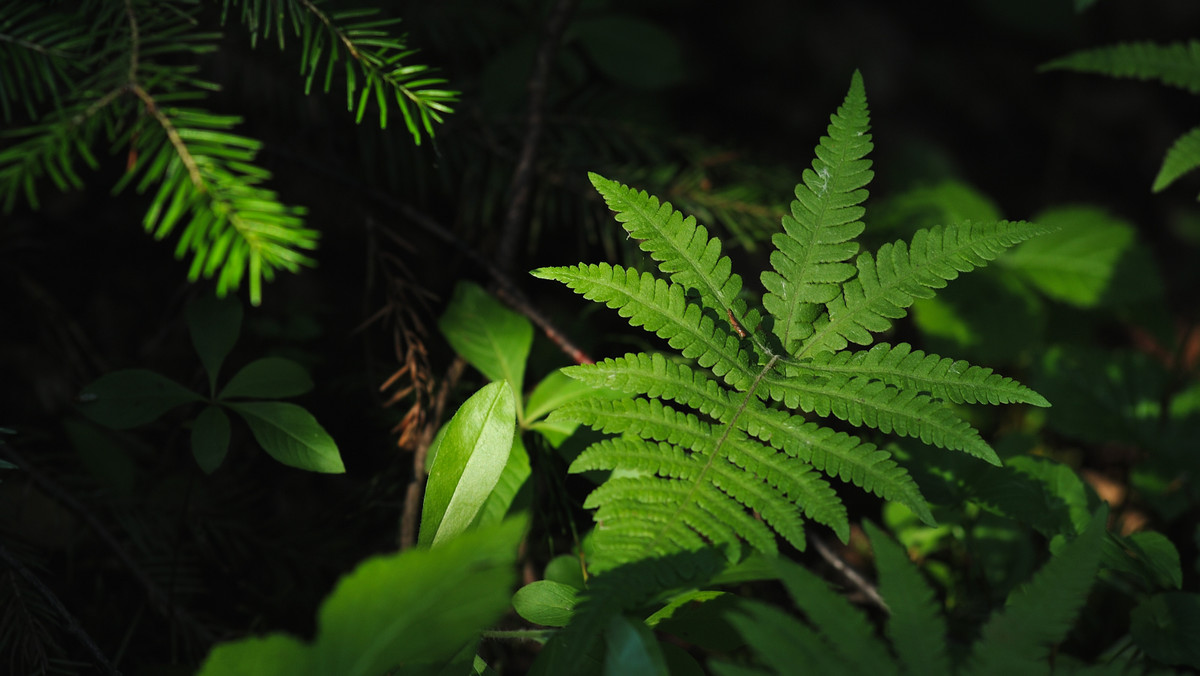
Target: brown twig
x=414 y=495
x=159 y=599
x=852 y=576
x=522 y=181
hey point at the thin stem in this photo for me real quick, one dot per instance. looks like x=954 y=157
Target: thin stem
x=181 y=149
x=852 y=576
x=522 y=182
x=539 y=635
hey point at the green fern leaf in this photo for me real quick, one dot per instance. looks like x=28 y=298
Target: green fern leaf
x=863 y=401
x=1177 y=64
x=836 y=453
x=915 y=624
x=660 y=307
x=899 y=273
x=811 y=254
x=1183 y=157
x=846 y=629
x=683 y=248
x=940 y=377
x=1039 y=614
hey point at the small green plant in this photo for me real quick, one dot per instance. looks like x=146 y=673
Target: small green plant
x=738 y=444
x=289 y=433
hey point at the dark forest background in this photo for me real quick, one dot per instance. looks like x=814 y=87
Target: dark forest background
x=713 y=106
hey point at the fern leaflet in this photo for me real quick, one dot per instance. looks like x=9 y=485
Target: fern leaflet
x=818 y=238
x=1182 y=157
x=1177 y=64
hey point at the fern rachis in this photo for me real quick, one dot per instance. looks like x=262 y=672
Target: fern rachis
x=719 y=437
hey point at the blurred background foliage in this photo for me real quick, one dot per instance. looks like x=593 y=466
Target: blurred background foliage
x=715 y=110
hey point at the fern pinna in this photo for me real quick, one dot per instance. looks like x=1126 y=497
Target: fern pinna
x=720 y=437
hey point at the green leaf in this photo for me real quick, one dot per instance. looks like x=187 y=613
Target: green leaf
x=915 y=626
x=408 y=612
x=844 y=629
x=1182 y=157
x=510 y=484
x=271 y=655
x=470 y=459
x=291 y=435
x=632 y=649
x=210 y=438
x=1149 y=556
x=631 y=50
x=1018 y=638
x=1176 y=64
x=125 y=399
x=555 y=390
x=567 y=569
x=1166 y=626
x=544 y=602
x=491 y=337
x=214 y=324
x=268 y=378
x=1077 y=264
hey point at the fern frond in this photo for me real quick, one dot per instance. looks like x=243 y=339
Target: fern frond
x=683 y=249
x=40 y=56
x=835 y=453
x=940 y=377
x=863 y=401
x=371 y=52
x=846 y=629
x=915 y=625
x=1176 y=64
x=661 y=308
x=1039 y=614
x=744 y=469
x=811 y=254
x=1183 y=157
x=899 y=273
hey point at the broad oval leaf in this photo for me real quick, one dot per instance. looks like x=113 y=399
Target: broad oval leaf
x=291 y=435
x=271 y=655
x=471 y=455
x=487 y=334
x=125 y=399
x=210 y=438
x=508 y=486
x=214 y=324
x=398 y=612
x=268 y=378
x=1166 y=625
x=545 y=602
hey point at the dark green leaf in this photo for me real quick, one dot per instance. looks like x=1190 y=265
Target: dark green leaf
x=631 y=50
x=1166 y=626
x=291 y=435
x=210 y=438
x=632 y=649
x=125 y=399
x=214 y=324
x=487 y=334
x=268 y=378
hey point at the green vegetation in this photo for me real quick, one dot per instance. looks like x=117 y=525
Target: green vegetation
x=925 y=438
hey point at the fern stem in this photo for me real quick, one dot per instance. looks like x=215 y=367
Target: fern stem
x=729 y=427
x=538 y=635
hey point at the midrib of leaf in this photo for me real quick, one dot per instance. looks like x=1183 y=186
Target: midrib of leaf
x=701 y=478
x=811 y=250
x=710 y=290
